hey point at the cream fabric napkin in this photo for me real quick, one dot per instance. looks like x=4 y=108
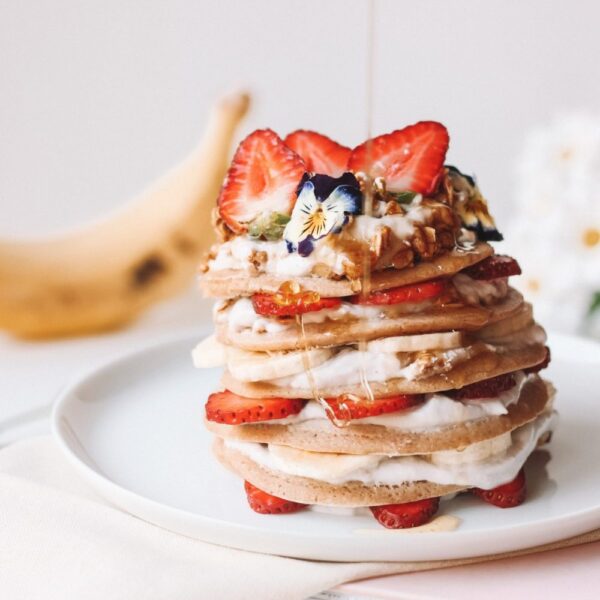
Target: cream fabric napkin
x=60 y=540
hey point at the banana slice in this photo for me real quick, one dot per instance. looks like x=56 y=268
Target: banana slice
x=264 y=366
x=414 y=343
x=321 y=465
x=474 y=452
x=209 y=353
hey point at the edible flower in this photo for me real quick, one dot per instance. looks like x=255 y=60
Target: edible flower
x=472 y=207
x=323 y=206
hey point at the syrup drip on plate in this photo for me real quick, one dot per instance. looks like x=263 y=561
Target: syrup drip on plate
x=290 y=293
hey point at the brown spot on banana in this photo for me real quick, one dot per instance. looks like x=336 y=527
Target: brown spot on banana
x=148 y=271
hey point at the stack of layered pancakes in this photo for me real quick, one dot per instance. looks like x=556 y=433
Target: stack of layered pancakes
x=375 y=354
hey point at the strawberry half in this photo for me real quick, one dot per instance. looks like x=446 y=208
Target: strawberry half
x=409 y=514
x=537 y=368
x=416 y=292
x=319 y=153
x=507 y=495
x=489 y=388
x=265 y=504
x=409 y=159
x=262 y=178
x=231 y=409
x=346 y=409
x=493 y=267
x=267 y=305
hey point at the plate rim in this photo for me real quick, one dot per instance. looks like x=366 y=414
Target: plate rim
x=248 y=537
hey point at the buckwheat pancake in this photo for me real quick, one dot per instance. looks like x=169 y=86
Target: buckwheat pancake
x=360 y=486
x=320 y=435
x=449 y=317
x=485 y=364
x=311 y=491
x=232 y=283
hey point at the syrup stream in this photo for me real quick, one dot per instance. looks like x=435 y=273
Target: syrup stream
x=368 y=189
x=366 y=261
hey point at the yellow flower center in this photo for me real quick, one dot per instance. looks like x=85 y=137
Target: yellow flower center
x=533 y=285
x=591 y=237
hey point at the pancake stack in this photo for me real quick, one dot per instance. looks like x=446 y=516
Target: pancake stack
x=375 y=353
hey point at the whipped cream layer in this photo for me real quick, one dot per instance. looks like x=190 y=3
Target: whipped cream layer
x=239 y=316
x=438 y=410
x=237 y=253
x=349 y=366
x=372 y=469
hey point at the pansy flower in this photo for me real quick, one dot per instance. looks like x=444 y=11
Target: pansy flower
x=323 y=206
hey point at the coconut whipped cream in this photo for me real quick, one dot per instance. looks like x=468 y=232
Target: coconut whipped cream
x=341 y=369
x=240 y=316
x=438 y=410
x=335 y=469
x=237 y=252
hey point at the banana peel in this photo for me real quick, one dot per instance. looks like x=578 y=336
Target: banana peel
x=102 y=276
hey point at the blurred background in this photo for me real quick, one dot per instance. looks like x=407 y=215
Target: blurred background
x=100 y=98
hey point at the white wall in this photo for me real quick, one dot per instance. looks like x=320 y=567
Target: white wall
x=98 y=98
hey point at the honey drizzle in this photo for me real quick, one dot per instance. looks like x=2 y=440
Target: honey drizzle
x=366 y=262
x=368 y=191
x=314 y=389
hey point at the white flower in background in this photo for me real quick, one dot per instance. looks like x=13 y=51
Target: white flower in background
x=555 y=231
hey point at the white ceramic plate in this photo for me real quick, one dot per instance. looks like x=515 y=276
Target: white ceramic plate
x=134 y=429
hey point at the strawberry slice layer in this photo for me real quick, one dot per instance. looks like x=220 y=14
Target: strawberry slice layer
x=537 y=368
x=266 y=504
x=489 y=388
x=409 y=514
x=493 y=267
x=268 y=306
x=507 y=495
x=406 y=293
x=262 y=179
x=319 y=153
x=409 y=159
x=231 y=409
x=348 y=408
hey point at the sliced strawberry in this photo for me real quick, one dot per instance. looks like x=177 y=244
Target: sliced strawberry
x=416 y=292
x=345 y=409
x=488 y=388
x=507 y=495
x=265 y=504
x=231 y=409
x=537 y=368
x=262 y=178
x=409 y=514
x=267 y=305
x=493 y=267
x=319 y=153
x=409 y=159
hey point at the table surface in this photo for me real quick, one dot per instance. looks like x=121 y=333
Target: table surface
x=32 y=373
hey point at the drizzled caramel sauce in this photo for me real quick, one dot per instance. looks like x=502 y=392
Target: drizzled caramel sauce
x=290 y=293
x=368 y=192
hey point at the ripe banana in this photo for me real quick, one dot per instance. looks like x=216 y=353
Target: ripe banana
x=320 y=465
x=101 y=276
x=245 y=365
x=475 y=452
x=209 y=353
x=415 y=343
